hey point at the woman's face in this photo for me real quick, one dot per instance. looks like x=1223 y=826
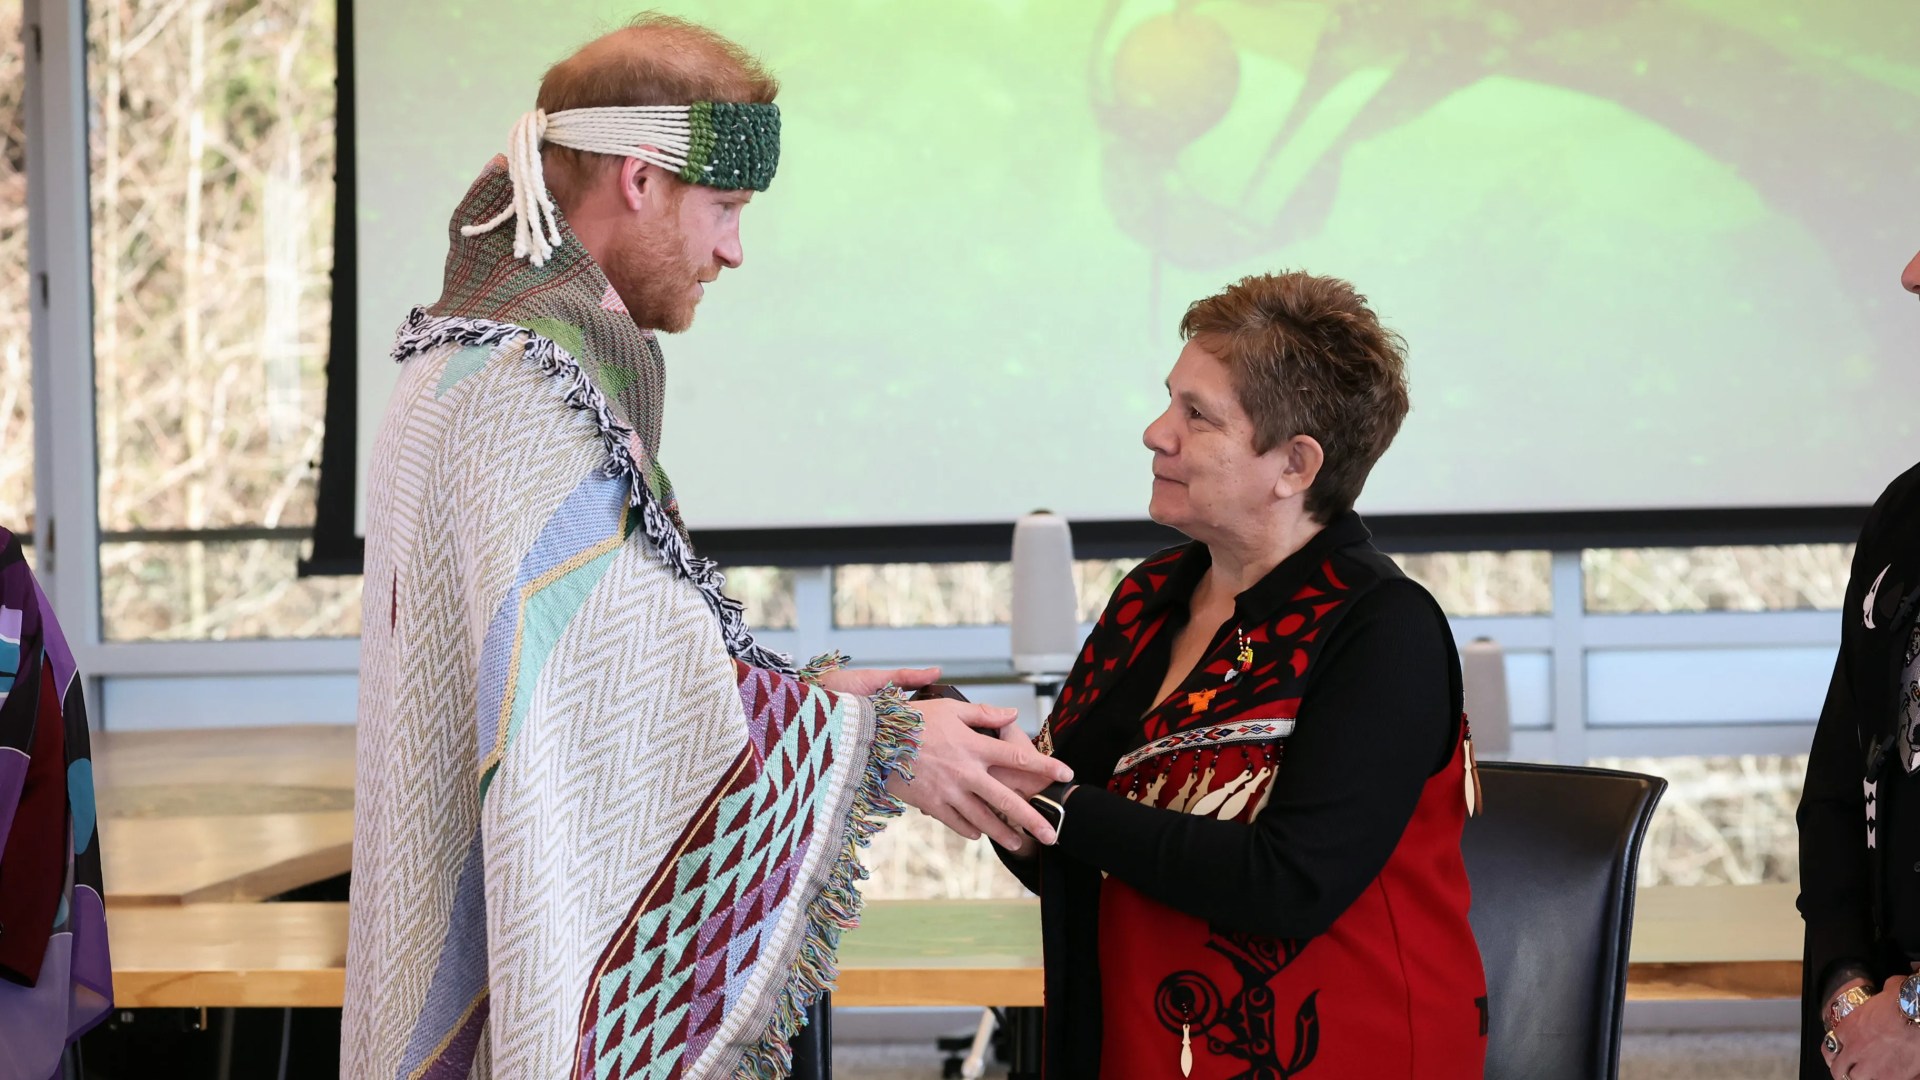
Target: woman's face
x=1207 y=480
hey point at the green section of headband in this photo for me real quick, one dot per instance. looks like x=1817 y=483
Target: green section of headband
x=732 y=146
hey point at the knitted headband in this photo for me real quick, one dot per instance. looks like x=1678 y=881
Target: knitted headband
x=717 y=144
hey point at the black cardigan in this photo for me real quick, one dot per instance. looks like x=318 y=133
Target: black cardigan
x=1339 y=806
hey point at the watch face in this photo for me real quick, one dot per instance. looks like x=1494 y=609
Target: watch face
x=1052 y=811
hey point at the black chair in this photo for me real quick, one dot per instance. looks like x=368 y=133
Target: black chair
x=813 y=1044
x=1552 y=862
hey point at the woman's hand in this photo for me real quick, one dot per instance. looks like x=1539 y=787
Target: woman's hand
x=1028 y=784
x=1022 y=782
x=1876 y=1042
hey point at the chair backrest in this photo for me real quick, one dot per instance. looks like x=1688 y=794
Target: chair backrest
x=1552 y=862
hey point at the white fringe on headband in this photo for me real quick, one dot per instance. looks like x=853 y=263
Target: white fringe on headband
x=657 y=134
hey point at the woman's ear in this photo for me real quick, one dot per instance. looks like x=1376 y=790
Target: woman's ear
x=1303 y=459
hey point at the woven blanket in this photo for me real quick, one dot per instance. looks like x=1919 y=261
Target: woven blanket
x=56 y=980
x=600 y=831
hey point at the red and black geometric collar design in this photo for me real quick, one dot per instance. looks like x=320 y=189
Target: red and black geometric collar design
x=1282 y=617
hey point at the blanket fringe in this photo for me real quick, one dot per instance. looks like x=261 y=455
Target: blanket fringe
x=825 y=663
x=424 y=330
x=896 y=738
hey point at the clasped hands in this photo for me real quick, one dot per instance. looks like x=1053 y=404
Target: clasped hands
x=973 y=783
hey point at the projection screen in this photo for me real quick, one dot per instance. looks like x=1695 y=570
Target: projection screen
x=1645 y=254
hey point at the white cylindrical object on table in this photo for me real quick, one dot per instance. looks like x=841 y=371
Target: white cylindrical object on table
x=1483 y=665
x=1046 y=609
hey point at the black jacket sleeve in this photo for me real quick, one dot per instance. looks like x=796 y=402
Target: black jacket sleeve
x=1376 y=723
x=1835 y=888
x=1025 y=867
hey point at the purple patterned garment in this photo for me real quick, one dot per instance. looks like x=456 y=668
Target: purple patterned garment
x=55 y=978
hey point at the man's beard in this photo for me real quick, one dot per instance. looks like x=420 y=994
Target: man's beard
x=654 y=279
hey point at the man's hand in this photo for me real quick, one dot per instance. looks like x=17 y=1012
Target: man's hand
x=866 y=682
x=954 y=778
x=1876 y=1042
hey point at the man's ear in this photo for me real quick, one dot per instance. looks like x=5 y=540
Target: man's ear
x=642 y=184
x=636 y=186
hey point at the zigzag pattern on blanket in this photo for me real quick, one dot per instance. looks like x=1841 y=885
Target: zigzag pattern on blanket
x=566 y=562
x=625 y=456
x=583 y=815
x=398 y=895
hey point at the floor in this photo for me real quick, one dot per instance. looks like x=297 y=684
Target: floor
x=1664 y=1056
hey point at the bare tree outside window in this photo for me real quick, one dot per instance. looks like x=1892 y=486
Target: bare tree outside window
x=981 y=594
x=1485 y=582
x=212 y=131
x=1784 y=577
x=16 y=350
x=1723 y=820
x=767 y=592
x=954 y=594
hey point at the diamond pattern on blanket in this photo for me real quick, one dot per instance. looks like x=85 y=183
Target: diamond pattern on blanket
x=669 y=976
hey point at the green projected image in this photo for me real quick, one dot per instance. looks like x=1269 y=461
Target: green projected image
x=1645 y=253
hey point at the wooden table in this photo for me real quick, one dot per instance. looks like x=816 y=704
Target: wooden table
x=228 y=955
x=1725 y=943
x=215 y=819
x=942 y=952
x=1698 y=943
x=222 y=815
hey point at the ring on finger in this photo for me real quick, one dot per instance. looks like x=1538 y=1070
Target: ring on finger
x=1831 y=1043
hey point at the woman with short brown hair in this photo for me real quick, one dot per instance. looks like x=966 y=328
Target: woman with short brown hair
x=1259 y=874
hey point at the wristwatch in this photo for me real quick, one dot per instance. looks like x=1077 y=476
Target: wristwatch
x=1845 y=1002
x=1051 y=802
x=1910 y=999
